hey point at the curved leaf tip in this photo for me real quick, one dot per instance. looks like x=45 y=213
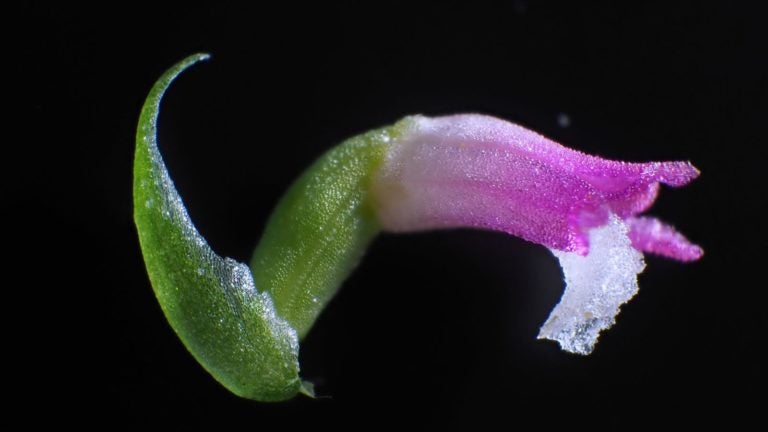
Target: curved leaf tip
x=211 y=302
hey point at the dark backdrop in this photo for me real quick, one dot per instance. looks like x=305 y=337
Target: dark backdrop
x=432 y=328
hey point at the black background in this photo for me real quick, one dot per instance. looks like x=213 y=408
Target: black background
x=432 y=328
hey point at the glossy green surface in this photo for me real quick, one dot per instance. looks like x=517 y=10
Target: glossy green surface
x=228 y=325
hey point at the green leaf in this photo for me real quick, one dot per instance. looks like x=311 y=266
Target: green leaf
x=229 y=326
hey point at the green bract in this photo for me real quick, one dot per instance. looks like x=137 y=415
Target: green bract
x=246 y=335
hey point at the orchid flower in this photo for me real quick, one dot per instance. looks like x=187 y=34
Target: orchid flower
x=244 y=325
x=477 y=171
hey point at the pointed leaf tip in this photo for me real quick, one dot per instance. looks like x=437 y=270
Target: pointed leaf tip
x=211 y=302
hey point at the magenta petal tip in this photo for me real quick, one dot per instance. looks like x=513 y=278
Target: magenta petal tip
x=651 y=235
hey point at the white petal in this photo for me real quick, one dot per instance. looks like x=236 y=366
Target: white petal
x=596 y=286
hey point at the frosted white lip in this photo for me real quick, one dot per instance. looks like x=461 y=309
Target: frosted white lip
x=596 y=286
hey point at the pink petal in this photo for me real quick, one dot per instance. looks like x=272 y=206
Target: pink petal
x=651 y=235
x=478 y=171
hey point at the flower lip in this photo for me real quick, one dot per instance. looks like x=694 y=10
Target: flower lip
x=472 y=170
